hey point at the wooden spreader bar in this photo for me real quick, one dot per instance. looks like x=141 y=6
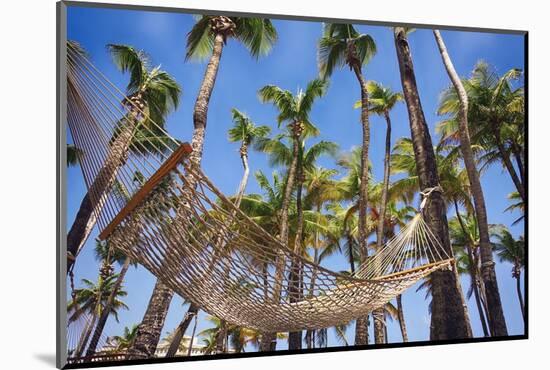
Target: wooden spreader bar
x=181 y=152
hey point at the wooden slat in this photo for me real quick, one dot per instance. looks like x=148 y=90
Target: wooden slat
x=182 y=151
x=418 y=268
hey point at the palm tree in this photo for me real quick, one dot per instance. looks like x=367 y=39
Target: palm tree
x=206 y=39
x=122 y=343
x=449 y=315
x=92 y=299
x=247 y=133
x=73 y=154
x=517 y=204
x=464 y=234
x=293 y=110
x=108 y=256
x=381 y=102
x=512 y=250
x=151 y=95
x=213 y=333
x=495 y=312
x=497 y=117
x=342 y=45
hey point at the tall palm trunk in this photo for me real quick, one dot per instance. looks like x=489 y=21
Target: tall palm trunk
x=401 y=318
x=449 y=311
x=488 y=274
x=309 y=333
x=350 y=251
x=107 y=309
x=378 y=315
x=473 y=273
x=181 y=329
x=149 y=330
x=295 y=338
x=361 y=323
x=200 y=112
x=516 y=150
x=269 y=340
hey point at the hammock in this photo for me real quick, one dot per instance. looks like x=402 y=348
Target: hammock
x=163 y=212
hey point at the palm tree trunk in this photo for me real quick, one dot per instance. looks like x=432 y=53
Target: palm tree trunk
x=149 y=331
x=449 y=318
x=95 y=198
x=505 y=156
x=81 y=228
x=244 y=180
x=385 y=186
x=181 y=329
x=190 y=349
x=107 y=309
x=269 y=340
x=350 y=252
x=309 y=333
x=519 y=161
x=295 y=338
x=473 y=274
x=221 y=337
x=379 y=326
x=520 y=297
x=488 y=274
x=200 y=112
x=360 y=326
x=401 y=318
x=379 y=320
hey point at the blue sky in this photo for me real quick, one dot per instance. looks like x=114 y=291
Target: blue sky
x=291 y=65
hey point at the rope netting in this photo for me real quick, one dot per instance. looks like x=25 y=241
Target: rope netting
x=179 y=226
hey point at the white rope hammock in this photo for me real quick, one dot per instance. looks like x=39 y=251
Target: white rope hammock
x=172 y=220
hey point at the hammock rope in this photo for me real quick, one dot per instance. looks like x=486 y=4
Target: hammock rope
x=163 y=212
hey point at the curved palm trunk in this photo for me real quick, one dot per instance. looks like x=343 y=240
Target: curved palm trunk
x=221 y=338
x=520 y=297
x=269 y=340
x=505 y=156
x=150 y=329
x=473 y=274
x=107 y=309
x=401 y=318
x=379 y=319
x=449 y=311
x=516 y=149
x=361 y=329
x=93 y=201
x=244 y=180
x=488 y=274
x=181 y=329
